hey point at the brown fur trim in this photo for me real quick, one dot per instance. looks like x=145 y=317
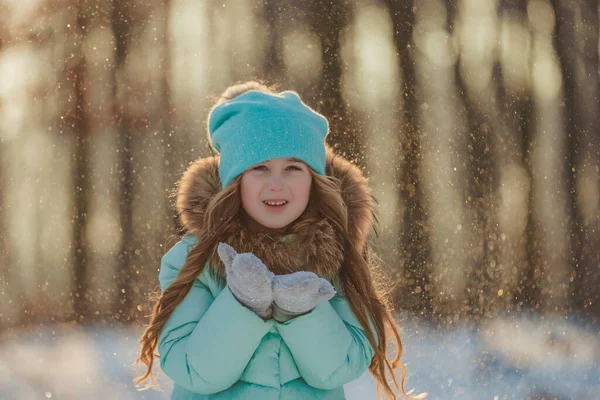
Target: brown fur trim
x=357 y=196
x=309 y=244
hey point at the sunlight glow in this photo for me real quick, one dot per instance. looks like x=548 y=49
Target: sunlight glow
x=302 y=54
x=477 y=34
x=376 y=59
x=541 y=16
x=515 y=53
x=441 y=146
x=21 y=65
x=437 y=45
x=372 y=85
x=189 y=44
x=547 y=78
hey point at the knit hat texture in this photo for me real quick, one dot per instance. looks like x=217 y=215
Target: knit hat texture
x=255 y=127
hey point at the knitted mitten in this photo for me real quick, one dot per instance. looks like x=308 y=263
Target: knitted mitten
x=248 y=279
x=298 y=293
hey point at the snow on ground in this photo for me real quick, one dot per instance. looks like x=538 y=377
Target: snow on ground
x=507 y=358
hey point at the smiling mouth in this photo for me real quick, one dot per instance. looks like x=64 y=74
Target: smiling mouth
x=275 y=203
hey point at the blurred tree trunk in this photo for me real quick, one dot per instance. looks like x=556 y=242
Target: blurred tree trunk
x=328 y=20
x=576 y=43
x=414 y=243
x=120 y=23
x=81 y=177
x=517 y=110
x=5 y=265
x=512 y=122
x=171 y=146
x=588 y=167
x=6 y=283
x=479 y=195
x=274 y=65
x=8 y=286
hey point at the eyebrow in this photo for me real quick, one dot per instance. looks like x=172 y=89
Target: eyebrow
x=288 y=159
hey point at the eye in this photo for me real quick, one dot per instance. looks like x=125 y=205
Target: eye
x=260 y=168
x=295 y=168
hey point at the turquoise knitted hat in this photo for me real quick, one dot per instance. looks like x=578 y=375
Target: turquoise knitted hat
x=255 y=127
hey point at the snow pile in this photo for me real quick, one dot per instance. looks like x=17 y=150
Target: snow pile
x=507 y=358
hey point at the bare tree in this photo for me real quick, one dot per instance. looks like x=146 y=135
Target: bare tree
x=81 y=176
x=577 y=49
x=328 y=20
x=516 y=114
x=171 y=146
x=120 y=23
x=6 y=285
x=479 y=195
x=274 y=58
x=414 y=243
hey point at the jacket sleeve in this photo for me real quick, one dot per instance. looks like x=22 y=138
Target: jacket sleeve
x=329 y=345
x=207 y=342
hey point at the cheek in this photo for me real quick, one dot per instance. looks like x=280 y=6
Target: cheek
x=248 y=189
x=303 y=189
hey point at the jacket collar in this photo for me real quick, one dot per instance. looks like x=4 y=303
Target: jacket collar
x=310 y=243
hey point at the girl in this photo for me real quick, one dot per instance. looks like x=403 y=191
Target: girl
x=269 y=294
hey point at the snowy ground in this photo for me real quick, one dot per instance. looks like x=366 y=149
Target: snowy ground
x=510 y=358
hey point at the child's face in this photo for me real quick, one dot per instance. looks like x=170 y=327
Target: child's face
x=278 y=180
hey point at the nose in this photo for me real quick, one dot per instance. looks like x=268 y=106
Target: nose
x=275 y=183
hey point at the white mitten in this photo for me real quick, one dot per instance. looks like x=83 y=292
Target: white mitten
x=298 y=293
x=249 y=280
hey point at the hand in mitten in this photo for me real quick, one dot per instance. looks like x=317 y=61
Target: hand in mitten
x=298 y=293
x=248 y=279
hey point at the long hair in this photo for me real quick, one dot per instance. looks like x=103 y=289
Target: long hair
x=368 y=302
x=221 y=210
x=366 y=298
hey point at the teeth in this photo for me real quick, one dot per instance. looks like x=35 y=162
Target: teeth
x=275 y=203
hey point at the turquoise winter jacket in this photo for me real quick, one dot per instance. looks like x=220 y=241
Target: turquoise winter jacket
x=213 y=348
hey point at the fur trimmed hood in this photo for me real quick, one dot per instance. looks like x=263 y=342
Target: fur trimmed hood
x=310 y=243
